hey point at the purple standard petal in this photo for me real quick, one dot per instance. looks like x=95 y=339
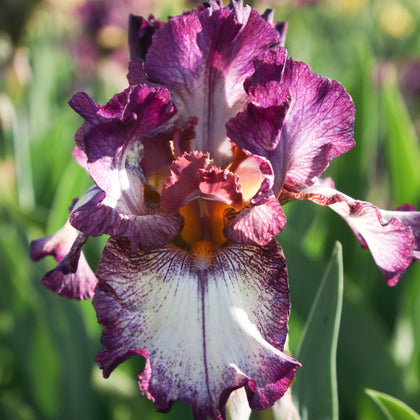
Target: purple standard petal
x=393 y=237
x=281 y=27
x=301 y=121
x=203 y=58
x=72 y=277
x=140 y=33
x=109 y=145
x=204 y=331
x=258 y=130
x=318 y=126
x=109 y=130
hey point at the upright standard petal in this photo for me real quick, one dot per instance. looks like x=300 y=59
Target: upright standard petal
x=203 y=58
x=111 y=138
x=301 y=121
x=318 y=125
x=140 y=33
x=393 y=237
x=204 y=332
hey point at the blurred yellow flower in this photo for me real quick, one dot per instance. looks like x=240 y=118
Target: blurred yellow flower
x=352 y=5
x=396 y=20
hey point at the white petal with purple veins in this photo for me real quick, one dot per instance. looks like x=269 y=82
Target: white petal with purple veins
x=206 y=332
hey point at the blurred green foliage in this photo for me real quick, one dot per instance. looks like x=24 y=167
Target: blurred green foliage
x=48 y=344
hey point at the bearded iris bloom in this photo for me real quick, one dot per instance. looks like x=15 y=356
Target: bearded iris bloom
x=192 y=163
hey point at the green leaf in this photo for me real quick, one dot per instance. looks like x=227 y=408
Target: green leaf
x=44 y=370
x=403 y=146
x=392 y=408
x=316 y=384
x=73 y=183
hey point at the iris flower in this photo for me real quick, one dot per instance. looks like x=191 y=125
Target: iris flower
x=192 y=164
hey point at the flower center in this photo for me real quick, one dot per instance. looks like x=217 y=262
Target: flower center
x=203 y=254
x=202 y=192
x=204 y=222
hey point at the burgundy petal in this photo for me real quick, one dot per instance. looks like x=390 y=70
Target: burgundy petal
x=111 y=133
x=393 y=237
x=158 y=153
x=203 y=58
x=136 y=74
x=204 y=332
x=72 y=277
x=409 y=217
x=99 y=216
x=269 y=67
x=301 y=121
x=255 y=176
x=318 y=125
x=256 y=225
x=140 y=33
x=194 y=176
x=109 y=144
x=258 y=128
x=281 y=27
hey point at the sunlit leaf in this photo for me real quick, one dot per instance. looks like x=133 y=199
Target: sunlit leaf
x=392 y=408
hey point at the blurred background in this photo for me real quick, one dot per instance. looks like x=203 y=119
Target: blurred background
x=50 y=49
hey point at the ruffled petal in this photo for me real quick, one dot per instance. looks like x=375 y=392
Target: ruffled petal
x=136 y=74
x=110 y=146
x=409 y=217
x=281 y=27
x=204 y=332
x=318 y=125
x=158 y=154
x=263 y=217
x=194 y=176
x=258 y=131
x=72 y=277
x=100 y=216
x=269 y=67
x=392 y=237
x=203 y=58
x=301 y=121
x=111 y=130
x=255 y=225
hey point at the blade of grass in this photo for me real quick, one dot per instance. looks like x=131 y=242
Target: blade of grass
x=316 y=382
x=403 y=146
